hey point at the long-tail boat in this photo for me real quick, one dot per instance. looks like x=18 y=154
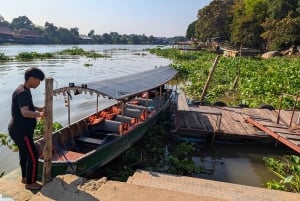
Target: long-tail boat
x=88 y=144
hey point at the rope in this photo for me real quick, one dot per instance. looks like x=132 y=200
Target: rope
x=59 y=152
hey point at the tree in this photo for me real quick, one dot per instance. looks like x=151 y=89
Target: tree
x=281 y=27
x=283 y=33
x=106 y=38
x=190 y=32
x=279 y=9
x=91 y=33
x=3 y=21
x=22 y=22
x=50 y=33
x=75 y=31
x=246 y=26
x=214 y=20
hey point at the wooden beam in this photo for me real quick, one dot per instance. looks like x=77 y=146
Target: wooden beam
x=48 y=131
x=275 y=135
x=209 y=78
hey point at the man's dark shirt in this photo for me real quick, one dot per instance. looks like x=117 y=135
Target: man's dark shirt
x=21 y=125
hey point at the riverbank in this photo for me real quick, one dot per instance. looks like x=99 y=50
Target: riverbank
x=143 y=185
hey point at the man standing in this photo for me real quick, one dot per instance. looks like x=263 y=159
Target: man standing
x=22 y=125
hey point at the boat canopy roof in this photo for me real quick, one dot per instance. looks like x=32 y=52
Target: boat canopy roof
x=125 y=86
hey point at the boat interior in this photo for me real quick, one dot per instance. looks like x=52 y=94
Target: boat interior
x=72 y=142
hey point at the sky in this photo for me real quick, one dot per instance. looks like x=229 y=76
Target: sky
x=159 y=18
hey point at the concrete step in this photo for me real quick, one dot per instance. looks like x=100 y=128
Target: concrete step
x=208 y=188
x=72 y=188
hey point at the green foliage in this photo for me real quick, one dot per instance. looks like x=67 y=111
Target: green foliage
x=260 y=81
x=81 y=52
x=21 y=22
x=155 y=152
x=279 y=9
x=247 y=22
x=40 y=126
x=214 y=20
x=3 y=57
x=287 y=169
x=191 y=30
x=51 y=34
x=87 y=64
x=26 y=56
x=281 y=33
x=7 y=141
x=180 y=161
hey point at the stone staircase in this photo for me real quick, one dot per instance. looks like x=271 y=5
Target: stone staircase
x=208 y=188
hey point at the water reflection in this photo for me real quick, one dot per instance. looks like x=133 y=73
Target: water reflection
x=238 y=163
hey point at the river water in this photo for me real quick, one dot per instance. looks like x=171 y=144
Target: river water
x=123 y=60
x=230 y=163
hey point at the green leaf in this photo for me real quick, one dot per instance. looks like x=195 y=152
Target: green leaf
x=295 y=159
x=288 y=179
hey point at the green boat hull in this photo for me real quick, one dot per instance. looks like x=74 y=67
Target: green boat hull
x=103 y=154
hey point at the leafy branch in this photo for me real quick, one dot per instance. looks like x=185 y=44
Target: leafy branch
x=287 y=170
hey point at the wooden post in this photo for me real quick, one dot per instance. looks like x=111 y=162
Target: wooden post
x=69 y=110
x=280 y=106
x=48 y=131
x=209 y=78
x=294 y=107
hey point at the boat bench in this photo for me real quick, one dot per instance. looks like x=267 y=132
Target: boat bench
x=145 y=102
x=107 y=125
x=89 y=140
x=141 y=107
x=125 y=119
x=134 y=113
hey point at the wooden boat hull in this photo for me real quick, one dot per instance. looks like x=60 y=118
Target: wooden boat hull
x=87 y=163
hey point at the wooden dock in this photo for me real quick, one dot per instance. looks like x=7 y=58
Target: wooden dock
x=230 y=123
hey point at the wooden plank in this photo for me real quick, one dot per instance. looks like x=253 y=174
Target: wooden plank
x=280 y=130
x=238 y=124
x=225 y=125
x=293 y=137
x=295 y=142
x=195 y=123
x=198 y=120
x=182 y=103
x=290 y=143
x=186 y=121
x=207 y=122
x=273 y=124
x=233 y=128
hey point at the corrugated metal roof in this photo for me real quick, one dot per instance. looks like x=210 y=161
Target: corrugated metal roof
x=128 y=85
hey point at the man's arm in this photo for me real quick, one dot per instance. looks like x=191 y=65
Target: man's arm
x=31 y=114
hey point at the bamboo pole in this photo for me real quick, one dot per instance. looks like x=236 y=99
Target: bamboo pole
x=48 y=131
x=208 y=79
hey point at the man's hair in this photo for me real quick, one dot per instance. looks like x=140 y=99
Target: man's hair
x=34 y=72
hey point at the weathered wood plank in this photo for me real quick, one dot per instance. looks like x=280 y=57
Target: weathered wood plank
x=48 y=131
x=208 y=122
x=280 y=130
x=182 y=103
